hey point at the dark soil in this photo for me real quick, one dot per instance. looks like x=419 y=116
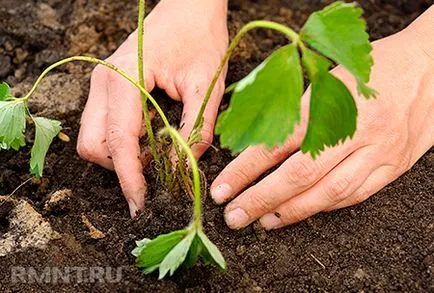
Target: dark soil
x=385 y=244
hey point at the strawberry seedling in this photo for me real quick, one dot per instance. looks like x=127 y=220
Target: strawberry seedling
x=264 y=109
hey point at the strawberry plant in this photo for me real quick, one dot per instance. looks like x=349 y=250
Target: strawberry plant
x=264 y=110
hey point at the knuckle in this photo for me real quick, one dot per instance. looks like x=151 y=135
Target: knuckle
x=98 y=74
x=338 y=190
x=123 y=182
x=98 y=71
x=404 y=161
x=198 y=84
x=239 y=173
x=302 y=173
x=267 y=155
x=260 y=203
x=115 y=136
x=277 y=154
x=86 y=151
x=112 y=76
x=362 y=194
x=292 y=215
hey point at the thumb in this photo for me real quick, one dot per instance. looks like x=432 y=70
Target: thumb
x=192 y=97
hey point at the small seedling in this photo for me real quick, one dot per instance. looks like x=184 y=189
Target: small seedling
x=264 y=110
x=167 y=252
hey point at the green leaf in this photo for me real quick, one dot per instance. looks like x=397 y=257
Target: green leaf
x=265 y=105
x=12 y=124
x=5 y=91
x=194 y=252
x=156 y=250
x=339 y=32
x=46 y=130
x=333 y=112
x=176 y=256
x=141 y=244
x=207 y=258
x=213 y=251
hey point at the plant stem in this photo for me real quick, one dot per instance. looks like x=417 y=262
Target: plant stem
x=292 y=35
x=195 y=169
x=142 y=6
x=103 y=63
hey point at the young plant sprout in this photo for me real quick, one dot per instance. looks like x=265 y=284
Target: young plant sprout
x=264 y=109
x=167 y=252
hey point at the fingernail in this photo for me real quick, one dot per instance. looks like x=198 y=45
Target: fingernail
x=221 y=193
x=270 y=221
x=133 y=208
x=237 y=218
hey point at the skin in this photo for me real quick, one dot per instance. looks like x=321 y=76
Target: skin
x=393 y=132
x=112 y=120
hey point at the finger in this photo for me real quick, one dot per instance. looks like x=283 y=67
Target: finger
x=192 y=96
x=294 y=176
x=247 y=167
x=143 y=131
x=124 y=126
x=91 y=144
x=256 y=160
x=375 y=182
x=336 y=186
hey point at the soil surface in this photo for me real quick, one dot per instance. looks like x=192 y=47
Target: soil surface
x=385 y=244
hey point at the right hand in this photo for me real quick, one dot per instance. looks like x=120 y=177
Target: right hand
x=184 y=43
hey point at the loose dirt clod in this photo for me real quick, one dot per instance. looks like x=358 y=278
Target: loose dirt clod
x=48 y=16
x=94 y=233
x=27 y=228
x=58 y=95
x=58 y=201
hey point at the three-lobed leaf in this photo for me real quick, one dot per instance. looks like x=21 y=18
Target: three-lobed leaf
x=12 y=124
x=196 y=249
x=333 y=112
x=339 y=33
x=212 y=250
x=168 y=252
x=156 y=250
x=46 y=130
x=265 y=105
x=176 y=256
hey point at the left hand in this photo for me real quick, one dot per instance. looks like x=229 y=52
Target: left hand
x=393 y=132
x=184 y=43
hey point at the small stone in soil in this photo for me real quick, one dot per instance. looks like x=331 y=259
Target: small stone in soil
x=5 y=66
x=20 y=55
x=59 y=201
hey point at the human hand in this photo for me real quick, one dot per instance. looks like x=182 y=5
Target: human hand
x=184 y=42
x=393 y=132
